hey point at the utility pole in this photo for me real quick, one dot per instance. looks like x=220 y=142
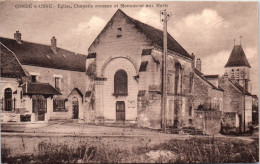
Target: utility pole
x=164 y=18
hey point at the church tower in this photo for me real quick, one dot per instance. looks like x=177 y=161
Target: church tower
x=238 y=67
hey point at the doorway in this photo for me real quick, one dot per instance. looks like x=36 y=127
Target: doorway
x=39 y=108
x=120 y=111
x=75 y=108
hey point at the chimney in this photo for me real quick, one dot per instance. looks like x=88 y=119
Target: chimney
x=54 y=45
x=18 y=37
x=198 y=64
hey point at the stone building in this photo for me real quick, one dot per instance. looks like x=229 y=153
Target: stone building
x=12 y=75
x=208 y=102
x=237 y=91
x=127 y=57
x=56 y=80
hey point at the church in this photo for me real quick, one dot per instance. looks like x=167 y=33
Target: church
x=127 y=61
x=127 y=55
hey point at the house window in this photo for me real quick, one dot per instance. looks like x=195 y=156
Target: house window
x=34 y=78
x=57 y=83
x=120 y=83
x=59 y=106
x=119 y=32
x=8 y=103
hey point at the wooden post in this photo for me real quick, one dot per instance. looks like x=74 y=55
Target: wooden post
x=164 y=70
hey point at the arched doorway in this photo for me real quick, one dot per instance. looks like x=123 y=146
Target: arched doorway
x=8 y=99
x=75 y=108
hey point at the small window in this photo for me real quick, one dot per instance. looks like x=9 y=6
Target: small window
x=34 y=78
x=190 y=111
x=57 y=83
x=119 y=32
x=59 y=106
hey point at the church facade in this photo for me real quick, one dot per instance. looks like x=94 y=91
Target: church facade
x=127 y=55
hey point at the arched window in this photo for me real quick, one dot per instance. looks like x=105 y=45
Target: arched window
x=238 y=74
x=177 y=85
x=120 y=83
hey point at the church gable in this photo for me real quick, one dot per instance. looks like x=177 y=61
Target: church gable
x=119 y=28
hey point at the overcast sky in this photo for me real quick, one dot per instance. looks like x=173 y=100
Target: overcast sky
x=207 y=29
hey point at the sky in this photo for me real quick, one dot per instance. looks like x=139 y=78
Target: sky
x=207 y=29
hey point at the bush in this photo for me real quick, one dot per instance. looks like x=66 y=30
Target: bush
x=191 y=150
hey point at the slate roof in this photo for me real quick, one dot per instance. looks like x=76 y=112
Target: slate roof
x=237 y=58
x=201 y=75
x=78 y=91
x=10 y=66
x=41 y=55
x=156 y=36
x=40 y=89
x=211 y=76
x=240 y=88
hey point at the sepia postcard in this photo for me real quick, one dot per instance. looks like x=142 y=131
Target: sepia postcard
x=129 y=82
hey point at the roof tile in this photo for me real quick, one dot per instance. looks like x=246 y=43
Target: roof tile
x=41 y=55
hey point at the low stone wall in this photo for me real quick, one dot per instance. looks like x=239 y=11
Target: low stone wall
x=208 y=121
x=230 y=122
x=9 y=117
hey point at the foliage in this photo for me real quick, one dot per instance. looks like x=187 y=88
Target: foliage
x=212 y=150
x=191 y=150
x=91 y=70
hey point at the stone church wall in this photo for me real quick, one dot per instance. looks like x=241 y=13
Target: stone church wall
x=208 y=121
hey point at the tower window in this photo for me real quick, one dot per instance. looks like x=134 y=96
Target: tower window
x=119 y=32
x=232 y=72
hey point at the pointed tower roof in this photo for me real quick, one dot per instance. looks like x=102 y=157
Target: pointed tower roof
x=237 y=58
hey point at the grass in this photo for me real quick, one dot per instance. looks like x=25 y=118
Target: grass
x=192 y=150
